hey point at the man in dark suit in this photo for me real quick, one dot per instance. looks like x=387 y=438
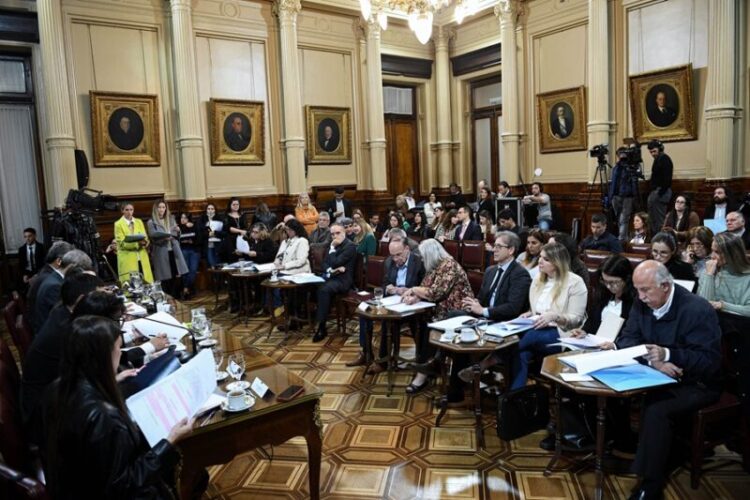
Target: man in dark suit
x=49 y=291
x=403 y=269
x=681 y=332
x=321 y=235
x=720 y=205
x=736 y=225
x=236 y=138
x=661 y=185
x=457 y=198
x=339 y=266
x=52 y=261
x=328 y=142
x=467 y=230
x=30 y=255
x=660 y=114
x=338 y=207
x=562 y=125
x=600 y=238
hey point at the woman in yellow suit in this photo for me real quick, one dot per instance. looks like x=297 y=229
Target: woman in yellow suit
x=131 y=256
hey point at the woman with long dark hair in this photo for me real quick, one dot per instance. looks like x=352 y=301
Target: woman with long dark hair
x=93 y=448
x=681 y=218
x=664 y=250
x=235 y=224
x=212 y=227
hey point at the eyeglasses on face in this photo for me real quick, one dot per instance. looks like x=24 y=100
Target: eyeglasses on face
x=661 y=253
x=613 y=283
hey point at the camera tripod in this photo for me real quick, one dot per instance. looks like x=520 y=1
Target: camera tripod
x=602 y=176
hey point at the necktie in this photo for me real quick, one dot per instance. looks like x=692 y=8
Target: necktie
x=31 y=258
x=495 y=285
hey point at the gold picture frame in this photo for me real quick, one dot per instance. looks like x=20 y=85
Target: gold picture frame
x=125 y=129
x=237 y=132
x=561 y=115
x=661 y=105
x=329 y=132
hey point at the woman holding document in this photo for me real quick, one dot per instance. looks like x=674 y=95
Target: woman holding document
x=93 y=448
x=615 y=295
x=213 y=227
x=558 y=299
x=132 y=242
x=166 y=254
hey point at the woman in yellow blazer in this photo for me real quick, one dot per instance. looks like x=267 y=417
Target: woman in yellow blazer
x=131 y=255
x=558 y=299
x=306 y=213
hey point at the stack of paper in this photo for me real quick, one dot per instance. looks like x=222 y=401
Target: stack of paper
x=512 y=327
x=402 y=308
x=216 y=225
x=451 y=324
x=134 y=309
x=264 y=268
x=303 y=278
x=608 y=330
x=159 y=407
x=593 y=361
x=157 y=323
x=243 y=246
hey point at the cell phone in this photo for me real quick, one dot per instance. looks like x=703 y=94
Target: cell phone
x=290 y=393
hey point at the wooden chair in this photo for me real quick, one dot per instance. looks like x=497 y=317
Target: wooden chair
x=18 y=327
x=317 y=255
x=344 y=309
x=634 y=258
x=473 y=255
x=453 y=248
x=639 y=248
x=383 y=248
x=475 y=280
x=374 y=271
x=594 y=258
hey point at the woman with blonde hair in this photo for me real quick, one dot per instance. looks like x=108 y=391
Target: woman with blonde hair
x=558 y=299
x=306 y=213
x=166 y=254
x=132 y=256
x=364 y=238
x=447 y=285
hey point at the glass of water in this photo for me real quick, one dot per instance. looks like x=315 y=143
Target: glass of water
x=235 y=369
x=480 y=327
x=378 y=294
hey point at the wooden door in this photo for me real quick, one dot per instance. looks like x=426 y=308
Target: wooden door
x=402 y=154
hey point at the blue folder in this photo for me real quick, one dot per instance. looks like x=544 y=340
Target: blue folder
x=631 y=377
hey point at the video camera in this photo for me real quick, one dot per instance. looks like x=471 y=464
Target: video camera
x=80 y=199
x=631 y=158
x=600 y=152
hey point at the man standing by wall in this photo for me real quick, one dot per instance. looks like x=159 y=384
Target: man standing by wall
x=661 y=185
x=622 y=189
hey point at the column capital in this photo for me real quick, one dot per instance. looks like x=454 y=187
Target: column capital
x=287 y=8
x=507 y=10
x=372 y=27
x=443 y=36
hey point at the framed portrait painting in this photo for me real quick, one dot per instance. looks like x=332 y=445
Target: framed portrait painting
x=561 y=115
x=125 y=129
x=661 y=104
x=328 y=135
x=236 y=129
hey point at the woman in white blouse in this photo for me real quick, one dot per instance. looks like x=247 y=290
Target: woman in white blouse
x=558 y=299
x=294 y=252
x=429 y=208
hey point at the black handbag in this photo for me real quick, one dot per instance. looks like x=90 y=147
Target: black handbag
x=522 y=411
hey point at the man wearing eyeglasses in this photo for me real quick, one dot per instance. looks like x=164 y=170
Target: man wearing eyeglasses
x=403 y=270
x=339 y=269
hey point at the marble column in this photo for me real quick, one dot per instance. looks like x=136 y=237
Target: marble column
x=598 y=84
x=293 y=140
x=375 y=110
x=508 y=11
x=444 y=144
x=189 y=137
x=722 y=108
x=59 y=141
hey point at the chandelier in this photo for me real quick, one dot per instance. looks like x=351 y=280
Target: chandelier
x=420 y=13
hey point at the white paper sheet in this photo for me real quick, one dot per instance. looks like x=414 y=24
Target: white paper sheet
x=390 y=300
x=401 y=308
x=156 y=409
x=451 y=324
x=593 y=361
x=134 y=309
x=688 y=285
x=243 y=246
x=576 y=377
x=303 y=278
x=512 y=327
x=216 y=225
x=608 y=330
x=263 y=268
x=173 y=328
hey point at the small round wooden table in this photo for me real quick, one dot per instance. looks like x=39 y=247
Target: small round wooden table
x=285 y=287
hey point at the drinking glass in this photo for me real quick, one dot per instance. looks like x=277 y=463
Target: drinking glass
x=218 y=359
x=199 y=322
x=157 y=294
x=136 y=280
x=378 y=293
x=481 y=327
x=235 y=369
x=568 y=325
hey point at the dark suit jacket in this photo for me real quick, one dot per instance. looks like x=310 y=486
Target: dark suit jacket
x=345 y=255
x=414 y=271
x=512 y=298
x=488 y=205
x=606 y=242
x=331 y=208
x=690 y=330
x=556 y=128
x=47 y=297
x=662 y=118
x=39 y=255
x=709 y=212
x=34 y=284
x=473 y=232
x=746 y=238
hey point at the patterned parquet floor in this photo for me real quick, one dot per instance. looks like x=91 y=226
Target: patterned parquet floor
x=377 y=446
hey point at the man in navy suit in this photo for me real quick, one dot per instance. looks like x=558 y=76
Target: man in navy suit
x=30 y=255
x=339 y=265
x=403 y=270
x=681 y=332
x=467 y=230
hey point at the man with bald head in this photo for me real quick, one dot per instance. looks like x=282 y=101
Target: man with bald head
x=736 y=225
x=403 y=269
x=682 y=335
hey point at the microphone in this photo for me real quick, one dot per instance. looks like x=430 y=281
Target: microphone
x=184 y=355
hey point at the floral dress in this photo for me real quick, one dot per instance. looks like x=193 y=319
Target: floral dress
x=448 y=285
